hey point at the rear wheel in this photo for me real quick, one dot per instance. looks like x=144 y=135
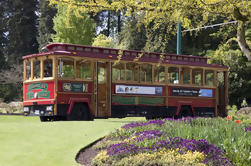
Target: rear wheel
x=186 y=111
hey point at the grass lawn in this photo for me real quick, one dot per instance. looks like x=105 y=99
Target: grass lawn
x=25 y=141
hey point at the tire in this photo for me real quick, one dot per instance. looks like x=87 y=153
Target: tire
x=186 y=111
x=45 y=118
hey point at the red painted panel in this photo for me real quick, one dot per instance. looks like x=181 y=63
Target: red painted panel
x=64 y=98
x=34 y=92
x=196 y=102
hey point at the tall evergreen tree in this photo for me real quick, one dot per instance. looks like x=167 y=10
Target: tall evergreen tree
x=45 y=23
x=3 y=39
x=132 y=37
x=22 y=29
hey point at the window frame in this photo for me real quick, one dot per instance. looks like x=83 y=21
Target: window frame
x=57 y=68
x=76 y=72
x=178 y=67
x=165 y=75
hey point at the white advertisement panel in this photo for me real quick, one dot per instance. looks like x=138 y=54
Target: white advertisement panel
x=140 y=90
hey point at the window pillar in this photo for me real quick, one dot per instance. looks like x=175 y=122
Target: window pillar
x=191 y=76
x=25 y=68
x=32 y=69
x=203 y=77
x=42 y=69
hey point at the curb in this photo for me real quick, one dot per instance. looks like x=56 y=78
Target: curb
x=87 y=146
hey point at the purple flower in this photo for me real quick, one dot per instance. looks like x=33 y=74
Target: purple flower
x=124 y=149
x=139 y=124
x=248 y=129
x=132 y=125
x=148 y=135
x=158 y=122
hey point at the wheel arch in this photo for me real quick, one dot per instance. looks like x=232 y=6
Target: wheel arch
x=72 y=101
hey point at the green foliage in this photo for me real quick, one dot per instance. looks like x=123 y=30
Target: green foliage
x=133 y=37
x=164 y=15
x=75 y=28
x=103 y=41
x=10 y=92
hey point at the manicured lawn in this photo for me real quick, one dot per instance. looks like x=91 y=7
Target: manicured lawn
x=25 y=141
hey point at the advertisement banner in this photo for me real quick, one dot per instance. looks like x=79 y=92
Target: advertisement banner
x=139 y=90
x=192 y=92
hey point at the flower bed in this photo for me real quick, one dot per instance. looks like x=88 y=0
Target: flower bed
x=189 y=141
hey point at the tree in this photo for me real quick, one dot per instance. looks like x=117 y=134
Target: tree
x=22 y=29
x=3 y=39
x=191 y=13
x=133 y=37
x=45 y=23
x=76 y=28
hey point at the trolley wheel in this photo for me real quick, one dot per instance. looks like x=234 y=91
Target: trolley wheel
x=46 y=118
x=79 y=111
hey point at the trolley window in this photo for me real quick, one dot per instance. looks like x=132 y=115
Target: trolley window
x=101 y=74
x=84 y=69
x=186 y=75
x=65 y=68
x=197 y=76
x=36 y=64
x=48 y=68
x=159 y=74
x=118 y=71
x=28 y=70
x=173 y=75
x=132 y=72
x=209 y=77
x=146 y=73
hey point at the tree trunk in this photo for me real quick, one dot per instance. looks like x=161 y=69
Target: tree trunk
x=242 y=41
x=108 y=23
x=119 y=22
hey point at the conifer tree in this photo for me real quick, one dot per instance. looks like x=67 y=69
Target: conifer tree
x=45 y=23
x=22 y=29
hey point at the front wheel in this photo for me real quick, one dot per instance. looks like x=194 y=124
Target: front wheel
x=45 y=118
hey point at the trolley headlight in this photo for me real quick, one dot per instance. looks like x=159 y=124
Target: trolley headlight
x=26 y=109
x=49 y=108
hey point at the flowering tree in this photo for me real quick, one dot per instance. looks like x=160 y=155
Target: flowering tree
x=192 y=13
